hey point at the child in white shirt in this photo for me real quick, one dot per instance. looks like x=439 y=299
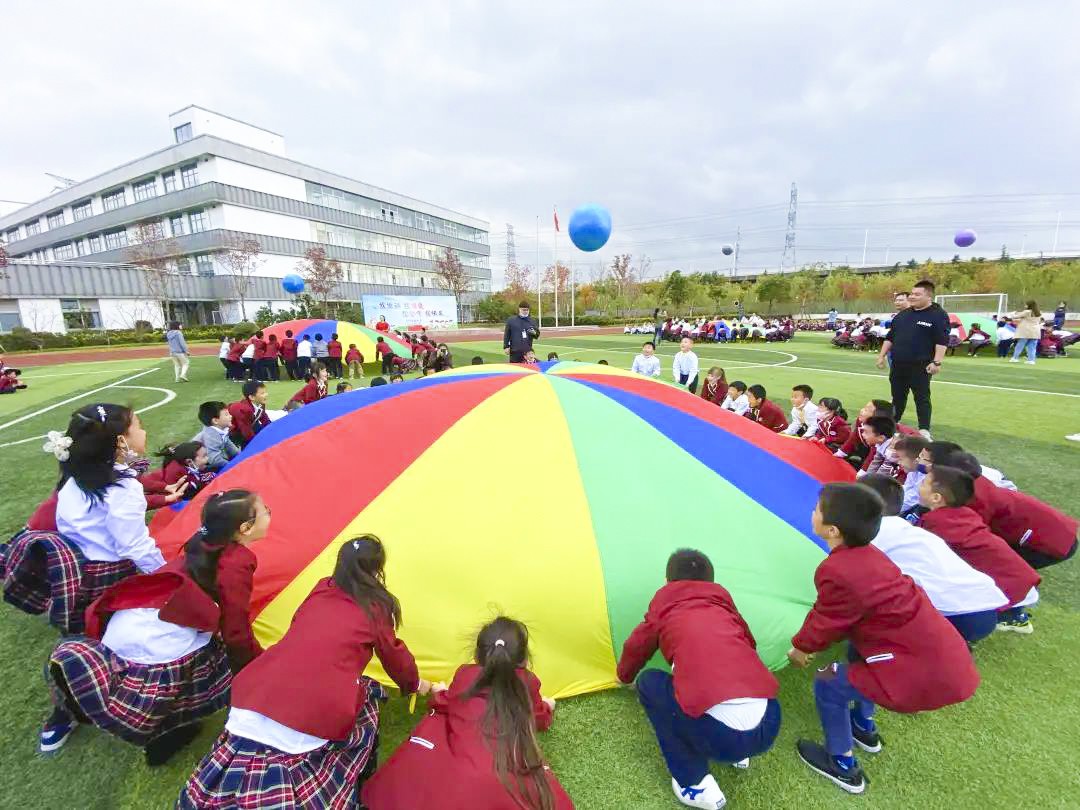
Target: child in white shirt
x=736 y=400
x=907 y=450
x=804 y=413
x=684 y=368
x=647 y=363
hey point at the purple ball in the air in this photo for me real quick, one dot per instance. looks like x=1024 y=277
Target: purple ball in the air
x=964 y=238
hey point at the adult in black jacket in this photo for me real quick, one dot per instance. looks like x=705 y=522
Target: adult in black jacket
x=917 y=340
x=520 y=332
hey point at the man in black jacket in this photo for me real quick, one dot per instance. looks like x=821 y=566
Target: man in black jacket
x=917 y=339
x=520 y=332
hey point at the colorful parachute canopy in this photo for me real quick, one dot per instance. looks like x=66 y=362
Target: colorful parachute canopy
x=347 y=333
x=553 y=493
x=955 y=322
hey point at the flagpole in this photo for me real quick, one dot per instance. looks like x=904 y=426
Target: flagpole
x=539 y=283
x=555 y=271
x=573 y=292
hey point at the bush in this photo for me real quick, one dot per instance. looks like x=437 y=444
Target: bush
x=243 y=330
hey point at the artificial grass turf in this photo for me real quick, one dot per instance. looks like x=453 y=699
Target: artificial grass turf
x=1013 y=745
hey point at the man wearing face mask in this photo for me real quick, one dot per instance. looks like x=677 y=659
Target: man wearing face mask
x=520 y=332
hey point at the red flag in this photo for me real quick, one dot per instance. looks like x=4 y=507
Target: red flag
x=556 y=212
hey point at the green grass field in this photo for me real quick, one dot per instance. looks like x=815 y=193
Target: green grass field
x=1015 y=744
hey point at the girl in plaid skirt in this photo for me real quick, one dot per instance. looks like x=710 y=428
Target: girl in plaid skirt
x=303 y=728
x=159 y=646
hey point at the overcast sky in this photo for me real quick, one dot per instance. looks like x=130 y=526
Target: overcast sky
x=687 y=121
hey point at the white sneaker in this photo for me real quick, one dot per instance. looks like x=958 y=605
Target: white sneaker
x=1074 y=438
x=1014 y=360
x=926 y=434
x=706 y=794
x=742 y=764
x=1030 y=362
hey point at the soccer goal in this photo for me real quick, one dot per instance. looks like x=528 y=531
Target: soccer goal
x=978 y=305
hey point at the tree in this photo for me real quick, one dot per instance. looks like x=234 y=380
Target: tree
x=518 y=280
x=805 y=285
x=3 y=259
x=320 y=275
x=773 y=288
x=154 y=254
x=1005 y=257
x=453 y=276
x=242 y=257
x=717 y=288
x=676 y=289
x=622 y=274
x=494 y=309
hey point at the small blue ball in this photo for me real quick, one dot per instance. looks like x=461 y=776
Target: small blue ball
x=293 y=284
x=590 y=227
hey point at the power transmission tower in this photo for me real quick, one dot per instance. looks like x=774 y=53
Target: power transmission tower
x=735 y=262
x=789 y=237
x=511 y=250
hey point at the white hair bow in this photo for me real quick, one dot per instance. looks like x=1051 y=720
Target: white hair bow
x=58 y=445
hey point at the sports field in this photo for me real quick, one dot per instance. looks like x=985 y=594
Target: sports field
x=1014 y=745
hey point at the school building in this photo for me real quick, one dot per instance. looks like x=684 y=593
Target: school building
x=221 y=181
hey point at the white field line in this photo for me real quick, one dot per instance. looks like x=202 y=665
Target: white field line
x=75 y=373
x=169 y=397
x=83 y=395
x=727 y=363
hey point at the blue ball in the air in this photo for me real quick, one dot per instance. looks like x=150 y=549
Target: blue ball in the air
x=293 y=284
x=727 y=250
x=590 y=227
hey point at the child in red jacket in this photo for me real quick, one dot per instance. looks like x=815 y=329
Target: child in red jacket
x=304 y=718
x=186 y=461
x=333 y=356
x=832 y=427
x=715 y=387
x=384 y=353
x=719 y=703
x=355 y=362
x=946 y=492
x=249 y=414
x=316 y=387
x=764 y=411
x=161 y=648
x=477 y=747
x=902 y=652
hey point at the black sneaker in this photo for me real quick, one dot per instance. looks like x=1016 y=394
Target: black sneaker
x=163 y=747
x=818 y=759
x=869 y=741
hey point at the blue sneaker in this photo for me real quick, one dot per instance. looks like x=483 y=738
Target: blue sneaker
x=55 y=735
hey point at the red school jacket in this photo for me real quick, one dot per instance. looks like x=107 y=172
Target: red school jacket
x=703 y=636
x=966 y=534
x=770 y=415
x=333 y=348
x=714 y=392
x=180 y=600
x=383 y=348
x=273 y=349
x=449 y=749
x=354 y=356
x=288 y=349
x=236 y=349
x=1022 y=520
x=308 y=681
x=245 y=418
x=910 y=658
x=311 y=392
x=834 y=432
x=260 y=348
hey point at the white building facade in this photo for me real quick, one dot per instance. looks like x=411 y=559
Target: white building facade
x=221 y=181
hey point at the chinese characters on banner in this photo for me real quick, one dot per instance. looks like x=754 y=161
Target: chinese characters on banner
x=405 y=311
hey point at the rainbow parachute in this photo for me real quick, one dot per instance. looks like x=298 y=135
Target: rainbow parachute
x=347 y=333
x=554 y=493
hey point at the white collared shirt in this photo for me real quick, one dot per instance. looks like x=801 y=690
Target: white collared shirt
x=111 y=529
x=647 y=366
x=261 y=729
x=739 y=406
x=303 y=348
x=806 y=415
x=223 y=351
x=139 y=635
x=685 y=363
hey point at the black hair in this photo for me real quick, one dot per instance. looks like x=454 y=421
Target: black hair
x=333 y=336
x=478 y=361
x=883 y=405
x=318 y=336
x=926 y=284
x=359 y=572
x=304 y=337
x=259 y=334
x=853 y=509
x=288 y=333
x=834 y=405
x=396 y=377
x=209 y=411
x=91 y=460
x=251 y=388
x=379 y=339
x=174 y=324
x=881 y=425
x=183 y=452
x=552 y=356
x=342 y=387
x=911 y=445
x=656 y=312
x=648 y=343
x=739 y=386
x=758 y=391
x=955 y=486
x=602 y=362
x=318 y=367
x=222 y=517
x=272 y=339
x=688 y=563
x=890 y=490
x=502 y=647
x=962 y=461
x=806 y=390
x=222 y=337
x=939 y=450
x=376 y=381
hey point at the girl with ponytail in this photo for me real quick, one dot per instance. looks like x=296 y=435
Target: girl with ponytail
x=832 y=427
x=477 y=747
x=161 y=648
x=303 y=728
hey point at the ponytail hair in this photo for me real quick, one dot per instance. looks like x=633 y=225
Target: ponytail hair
x=91 y=458
x=834 y=405
x=222 y=517
x=508 y=725
x=183 y=452
x=360 y=572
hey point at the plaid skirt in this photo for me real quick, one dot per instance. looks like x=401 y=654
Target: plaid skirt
x=41 y=571
x=240 y=774
x=138 y=702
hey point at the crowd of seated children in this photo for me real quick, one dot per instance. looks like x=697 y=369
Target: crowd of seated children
x=639 y=329
x=854 y=449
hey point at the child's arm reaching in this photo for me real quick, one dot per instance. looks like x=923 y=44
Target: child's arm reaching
x=397 y=660
x=830 y=619
x=638 y=649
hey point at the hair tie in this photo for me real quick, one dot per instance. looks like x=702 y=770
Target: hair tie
x=101 y=413
x=204 y=531
x=58 y=445
x=500 y=643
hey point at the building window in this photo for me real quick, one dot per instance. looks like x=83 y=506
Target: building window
x=116 y=239
x=55 y=219
x=33 y=228
x=62 y=252
x=183 y=266
x=170 y=181
x=82 y=210
x=80 y=313
x=204 y=265
x=9 y=318
x=199 y=221
x=177 y=224
x=145 y=189
x=182 y=133
x=153 y=229
x=13 y=235
x=113 y=200
x=80 y=247
x=93 y=243
x=189 y=175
